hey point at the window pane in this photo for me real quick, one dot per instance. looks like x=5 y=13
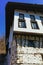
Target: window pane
x=22 y=24
x=23 y=41
x=19 y=24
x=31 y=43
x=37 y=44
x=27 y=41
x=21 y=21
x=41 y=42
x=32 y=17
x=21 y=16
x=18 y=41
x=34 y=25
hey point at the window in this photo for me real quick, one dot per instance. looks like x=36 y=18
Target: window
x=32 y=17
x=21 y=16
x=31 y=43
x=34 y=25
x=18 y=40
x=37 y=44
x=41 y=20
x=23 y=41
x=21 y=24
x=21 y=21
x=27 y=41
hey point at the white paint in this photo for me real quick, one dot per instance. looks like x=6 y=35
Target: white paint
x=28 y=24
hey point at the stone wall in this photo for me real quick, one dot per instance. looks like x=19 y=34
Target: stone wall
x=26 y=55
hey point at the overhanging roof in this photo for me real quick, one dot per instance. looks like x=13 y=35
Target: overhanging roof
x=25 y=6
x=11 y=6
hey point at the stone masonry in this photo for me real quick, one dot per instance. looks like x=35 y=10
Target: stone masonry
x=25 y=55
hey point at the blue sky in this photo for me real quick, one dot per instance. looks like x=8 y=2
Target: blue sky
x=2 y=11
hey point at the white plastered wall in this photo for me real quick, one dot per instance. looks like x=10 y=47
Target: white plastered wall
x=28 y=23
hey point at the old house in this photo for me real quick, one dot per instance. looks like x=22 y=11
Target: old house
x=24 y=33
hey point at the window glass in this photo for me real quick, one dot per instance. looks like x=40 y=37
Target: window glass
x=18 y=40
x=32 y=17
x=37 y=44
x=21 y=21
x=23 y=41
x=34 y=25
x=41 y=42
x=21 y=16
x=22 y=24
x=29 y=41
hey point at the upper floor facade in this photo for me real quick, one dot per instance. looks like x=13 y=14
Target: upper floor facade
x=24 y=18
x=28 y=22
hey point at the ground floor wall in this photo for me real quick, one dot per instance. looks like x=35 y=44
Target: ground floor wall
x=23 y=55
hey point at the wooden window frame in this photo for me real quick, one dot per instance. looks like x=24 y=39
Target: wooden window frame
x=37 y=27
x=21 y=20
